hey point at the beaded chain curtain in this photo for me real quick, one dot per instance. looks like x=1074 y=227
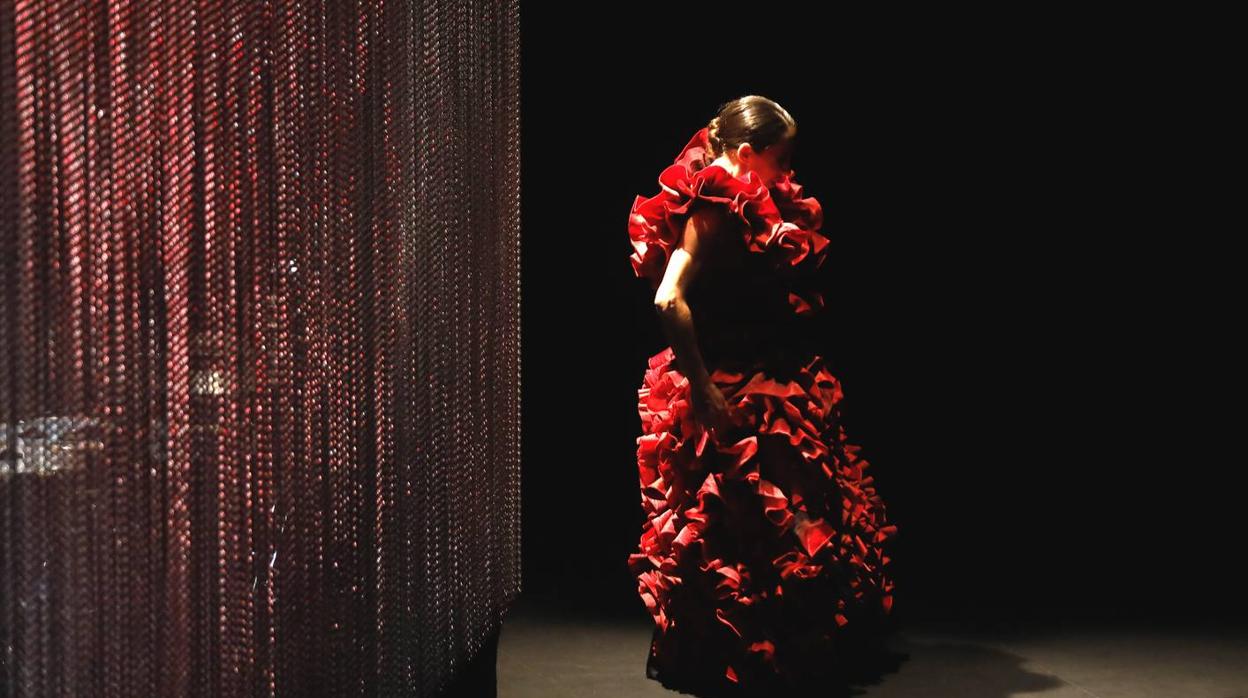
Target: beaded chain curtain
x=259 y=350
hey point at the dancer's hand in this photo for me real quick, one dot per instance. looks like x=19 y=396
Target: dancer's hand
x=711 y=409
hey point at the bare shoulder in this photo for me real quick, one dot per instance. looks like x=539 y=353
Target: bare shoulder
x=705 y=226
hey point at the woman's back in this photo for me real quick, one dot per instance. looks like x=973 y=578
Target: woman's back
x=741 y=307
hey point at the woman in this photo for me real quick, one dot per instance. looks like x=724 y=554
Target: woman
x=761 y=559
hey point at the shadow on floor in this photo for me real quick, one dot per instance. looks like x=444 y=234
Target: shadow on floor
x=563 y=656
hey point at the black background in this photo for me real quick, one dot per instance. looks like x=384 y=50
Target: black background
x=1028 y=309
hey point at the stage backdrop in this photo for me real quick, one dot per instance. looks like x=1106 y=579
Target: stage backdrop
x=259 y=344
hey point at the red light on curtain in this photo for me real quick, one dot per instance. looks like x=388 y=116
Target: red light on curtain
x=259 y=351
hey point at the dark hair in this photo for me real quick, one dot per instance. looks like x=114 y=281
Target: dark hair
x=752 y=119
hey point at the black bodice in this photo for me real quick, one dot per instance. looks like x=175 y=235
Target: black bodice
x=741 y=310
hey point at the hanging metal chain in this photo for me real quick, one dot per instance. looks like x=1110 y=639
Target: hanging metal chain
x=259 y=344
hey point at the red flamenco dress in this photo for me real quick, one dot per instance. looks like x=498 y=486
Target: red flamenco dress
x=762 y=559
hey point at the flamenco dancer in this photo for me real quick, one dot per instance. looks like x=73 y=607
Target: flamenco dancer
x=762 y=559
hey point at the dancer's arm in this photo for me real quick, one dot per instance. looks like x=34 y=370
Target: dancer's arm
x=669 y=299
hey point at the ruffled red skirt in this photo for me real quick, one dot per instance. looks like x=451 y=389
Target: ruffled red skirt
x=762 y=556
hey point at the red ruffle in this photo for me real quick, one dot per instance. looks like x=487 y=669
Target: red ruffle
x=787 y=481
x=780 y=221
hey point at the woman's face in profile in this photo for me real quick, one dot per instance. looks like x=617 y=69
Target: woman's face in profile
x=770 y=163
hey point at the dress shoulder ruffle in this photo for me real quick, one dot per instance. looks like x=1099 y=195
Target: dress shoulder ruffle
x=778 y=221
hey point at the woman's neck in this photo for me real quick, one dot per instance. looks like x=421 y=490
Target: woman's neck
x=727 y=164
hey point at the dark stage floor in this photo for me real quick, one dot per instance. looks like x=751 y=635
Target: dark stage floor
x=545 y=653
